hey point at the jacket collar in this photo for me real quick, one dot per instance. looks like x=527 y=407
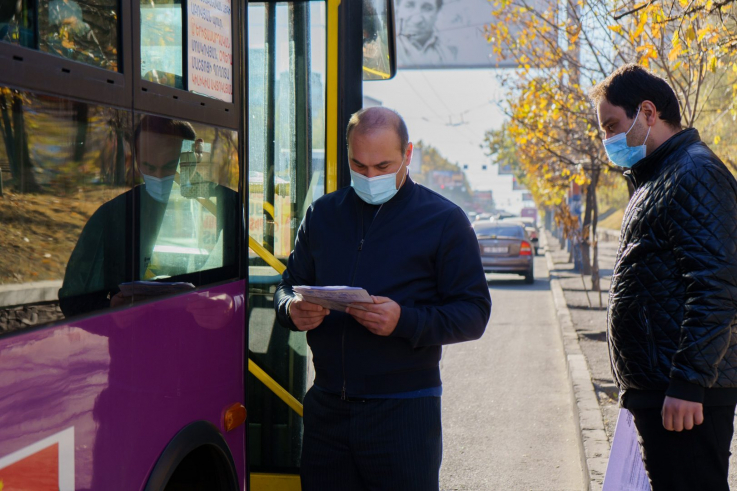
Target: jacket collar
x=645 y=168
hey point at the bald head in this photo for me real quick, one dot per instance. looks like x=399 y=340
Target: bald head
x=373 y=119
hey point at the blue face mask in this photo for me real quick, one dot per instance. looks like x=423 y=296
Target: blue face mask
x=622 y=154
x=376 y=190
x=158 y=188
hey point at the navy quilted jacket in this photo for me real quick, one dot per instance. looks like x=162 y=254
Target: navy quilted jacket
x=672 y=320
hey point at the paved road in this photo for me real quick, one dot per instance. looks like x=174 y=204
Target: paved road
x=507 y=416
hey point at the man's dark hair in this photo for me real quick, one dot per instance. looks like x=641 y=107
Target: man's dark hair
x=374 y=118
x=630 y=85
x=164 y=126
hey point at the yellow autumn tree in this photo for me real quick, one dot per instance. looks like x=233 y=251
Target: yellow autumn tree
x=563 y=52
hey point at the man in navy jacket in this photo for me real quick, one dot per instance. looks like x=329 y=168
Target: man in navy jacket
x=372 y=418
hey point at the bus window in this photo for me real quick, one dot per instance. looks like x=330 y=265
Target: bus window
x=187 y=215
x=287 y=95
x=60 y=161
x=81 y=31
x=17 y=23
x=379 y=55
x=161 y=42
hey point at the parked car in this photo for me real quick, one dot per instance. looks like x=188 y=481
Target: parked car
x=505 y=248
x=530 y=226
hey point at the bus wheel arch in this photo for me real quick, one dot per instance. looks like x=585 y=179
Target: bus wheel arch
x=197 y=458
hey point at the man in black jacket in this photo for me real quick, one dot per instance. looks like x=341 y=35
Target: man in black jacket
x=372 y=418
x=673 y=299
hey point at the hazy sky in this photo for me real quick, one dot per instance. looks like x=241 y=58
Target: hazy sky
x=451 y=110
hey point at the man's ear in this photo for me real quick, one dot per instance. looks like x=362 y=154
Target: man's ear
x=650 y=112
x=408 y=152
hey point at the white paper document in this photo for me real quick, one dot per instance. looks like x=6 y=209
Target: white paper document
x=625 y=470
x=334 y=297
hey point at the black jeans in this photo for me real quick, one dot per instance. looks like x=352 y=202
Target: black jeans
x=690 y=460
x=376 y=444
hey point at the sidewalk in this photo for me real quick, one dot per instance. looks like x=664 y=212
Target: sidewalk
x=588 y=317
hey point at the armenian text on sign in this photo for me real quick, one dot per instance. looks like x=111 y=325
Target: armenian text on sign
x=210 y=48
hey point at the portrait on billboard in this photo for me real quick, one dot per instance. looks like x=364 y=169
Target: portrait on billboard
x=418 y=38
x=447 y=34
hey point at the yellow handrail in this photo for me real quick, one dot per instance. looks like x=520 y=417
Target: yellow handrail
x=383 y=75
x=274 y=387
x=270 y=259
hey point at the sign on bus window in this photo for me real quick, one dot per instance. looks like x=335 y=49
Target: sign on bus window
x=210 y=48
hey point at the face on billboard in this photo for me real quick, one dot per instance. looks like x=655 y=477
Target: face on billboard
x=450 y=33
x=417 y=19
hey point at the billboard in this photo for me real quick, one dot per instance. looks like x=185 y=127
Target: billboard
x=447 y=34
x=447 y=178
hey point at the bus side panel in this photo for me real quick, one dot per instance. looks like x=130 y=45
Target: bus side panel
x=99 y=399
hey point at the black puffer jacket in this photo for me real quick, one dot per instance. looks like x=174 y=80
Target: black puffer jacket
x=672 y=320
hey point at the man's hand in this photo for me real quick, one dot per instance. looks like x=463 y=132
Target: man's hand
x=306 y=315
x=679 y=414
x=381 y=317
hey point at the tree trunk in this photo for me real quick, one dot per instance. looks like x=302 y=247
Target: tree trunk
x=81 y=119
x=595 y=278
x=7 y=129
x=26 y=182
x=586 y=230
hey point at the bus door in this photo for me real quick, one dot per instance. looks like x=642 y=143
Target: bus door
x=287 y=75
x=293 y=134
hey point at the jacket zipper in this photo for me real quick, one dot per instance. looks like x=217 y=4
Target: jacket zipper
x=353 y=280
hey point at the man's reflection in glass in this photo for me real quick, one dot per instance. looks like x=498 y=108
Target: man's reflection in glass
x=102 y=258
x=118 y=244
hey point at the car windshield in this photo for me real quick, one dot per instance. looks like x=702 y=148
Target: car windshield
x=500 y=231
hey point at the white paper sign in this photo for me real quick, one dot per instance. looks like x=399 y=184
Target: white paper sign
x=210 y=48
x=625 y=470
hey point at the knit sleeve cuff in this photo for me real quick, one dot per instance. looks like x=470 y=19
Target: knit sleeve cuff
x=686 y=391
x=407 y=324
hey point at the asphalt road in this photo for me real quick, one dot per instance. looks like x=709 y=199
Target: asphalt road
x=507 y=414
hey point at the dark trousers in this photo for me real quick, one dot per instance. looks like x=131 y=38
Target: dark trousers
x=370 y=445
x=690 y=460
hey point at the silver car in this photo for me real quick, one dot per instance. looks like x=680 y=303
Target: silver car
x=505 y=248
x=530 y=227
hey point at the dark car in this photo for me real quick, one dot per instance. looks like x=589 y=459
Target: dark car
x=505 y=248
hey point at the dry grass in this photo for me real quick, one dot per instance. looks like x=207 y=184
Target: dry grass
x=613 y=221
x=39 y=232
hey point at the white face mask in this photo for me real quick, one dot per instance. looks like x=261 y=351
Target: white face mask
x=159 y=188
x=376 y=190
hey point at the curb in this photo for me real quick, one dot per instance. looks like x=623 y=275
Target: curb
x=593 y=442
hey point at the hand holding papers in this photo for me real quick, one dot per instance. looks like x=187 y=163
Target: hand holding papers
x=336 y=298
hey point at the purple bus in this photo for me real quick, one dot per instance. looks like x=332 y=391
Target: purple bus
x=156 y=159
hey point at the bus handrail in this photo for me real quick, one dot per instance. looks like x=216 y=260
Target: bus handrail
x=383 y=75
x=274 y=387
x=264 y=254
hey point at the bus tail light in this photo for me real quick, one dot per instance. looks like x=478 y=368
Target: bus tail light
x=525 y=249
x=234 y=416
